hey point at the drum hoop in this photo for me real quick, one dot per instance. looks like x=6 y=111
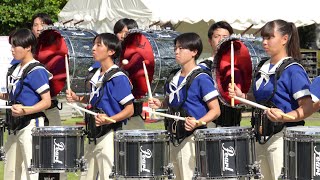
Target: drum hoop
x=54 y=170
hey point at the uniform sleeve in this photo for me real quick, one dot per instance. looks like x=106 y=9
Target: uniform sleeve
x=39 y=80
x=299 y=83
x=207 y=88
x=121 y=89
x=315 y=89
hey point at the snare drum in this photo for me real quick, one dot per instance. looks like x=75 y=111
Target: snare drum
x=57 y=149
x=226 y=152
x=301 y=153
x=141 y=154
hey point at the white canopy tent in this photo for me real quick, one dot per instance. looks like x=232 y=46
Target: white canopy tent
x=240 y=14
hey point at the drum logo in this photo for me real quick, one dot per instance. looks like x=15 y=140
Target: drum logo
x=226 y=153
x=144 y=154
x=316 y=156
x=57 y=147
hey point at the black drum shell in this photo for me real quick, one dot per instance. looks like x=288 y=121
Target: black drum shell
x=225 y=152
x=57 y=149
x=141 y=153
x=301 y=153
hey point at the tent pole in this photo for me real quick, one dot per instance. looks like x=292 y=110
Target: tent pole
x=246 y=30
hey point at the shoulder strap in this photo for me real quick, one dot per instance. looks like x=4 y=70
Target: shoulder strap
x=108 y=76
x=24 y=74
x=169 y=79
x=194 y=74
x=260 y=64
x=283 y=66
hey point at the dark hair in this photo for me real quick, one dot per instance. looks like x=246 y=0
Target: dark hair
x=220 y=24
x=111 y=41
x=284 y=28
x=24 y=38
x=120 y=24
x=191 y=41
x=44 y=17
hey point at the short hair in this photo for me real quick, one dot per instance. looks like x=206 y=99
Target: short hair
x=220 y=24
x=24 y=38
x=111 y=41
x=44 y=17
x=120 y=24
x=191 y=41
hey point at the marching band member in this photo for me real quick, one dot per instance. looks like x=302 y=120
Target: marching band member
x=111 y=97
x=190 y=93
x=218 y=31
x=122 y=27
x=279 y=82
x=28 y=85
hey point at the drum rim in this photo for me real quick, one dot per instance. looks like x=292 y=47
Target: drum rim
x=226 y=130
x=142 y=131
x=302 y=130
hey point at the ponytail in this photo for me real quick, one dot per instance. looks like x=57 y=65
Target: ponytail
x=293 y=46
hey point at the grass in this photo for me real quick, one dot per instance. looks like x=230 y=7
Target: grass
x=314 y=120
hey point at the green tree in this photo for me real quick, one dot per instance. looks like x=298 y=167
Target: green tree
x=18 y=13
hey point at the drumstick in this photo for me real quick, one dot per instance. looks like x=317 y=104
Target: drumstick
x=68 y=78
x=232 y=72
x=67 y=72
x=89 y=112
x=22 y=107
x=147 y=79
x=261 y=106
x=174 y=117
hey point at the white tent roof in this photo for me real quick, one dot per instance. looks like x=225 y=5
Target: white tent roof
x=240 y=14
x=105 y=13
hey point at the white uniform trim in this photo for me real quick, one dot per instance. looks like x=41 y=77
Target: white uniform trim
x=314 y=98
x=43 y=88
x=126 y=99
x=210 y=95
x=301 y=93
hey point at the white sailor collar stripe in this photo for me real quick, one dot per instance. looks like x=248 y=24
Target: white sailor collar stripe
x=265 y=72
x=173 y=85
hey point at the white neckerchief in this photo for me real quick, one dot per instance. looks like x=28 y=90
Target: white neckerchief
x=265 y=72
x=14 y=78
x=96 y=82
x=174 y=84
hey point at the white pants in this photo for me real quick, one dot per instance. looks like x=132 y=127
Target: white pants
x=134 y=122
x=18 y=150
x=183 y=159
x=271 y=157
x=100 y=158
x=53 y=116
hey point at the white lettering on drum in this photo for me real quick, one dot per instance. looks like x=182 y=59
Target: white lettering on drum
x=226 y=153
x=143 y=155
x=77 y=33
x=56 y=148
x=316 y=155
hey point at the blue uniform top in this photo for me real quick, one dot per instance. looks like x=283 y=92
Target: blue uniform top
x=315 y=89
x=36 y=83
x=116 y=92
x=292 y=85
x=200 y=92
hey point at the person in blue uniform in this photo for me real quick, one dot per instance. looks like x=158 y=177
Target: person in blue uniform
x=26 y=86
x=198 y=102
x=283 y=84
x=110 y=96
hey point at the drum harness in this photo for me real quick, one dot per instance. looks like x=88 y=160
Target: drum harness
x=176 y=128
x=17 y=123
x=93 y=132
x=263 y=127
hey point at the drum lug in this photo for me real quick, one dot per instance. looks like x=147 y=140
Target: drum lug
x=169 y=171
x=82 y=164
x=2 y=154
x=255 y=170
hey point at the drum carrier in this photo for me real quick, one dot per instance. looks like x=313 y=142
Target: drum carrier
x=263 y=127
x=176 y=128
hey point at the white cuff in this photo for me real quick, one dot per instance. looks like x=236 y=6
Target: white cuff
x=43 y=88
x=126 y=99
x=301 y=93
x=314 y=98
x=210 y=95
